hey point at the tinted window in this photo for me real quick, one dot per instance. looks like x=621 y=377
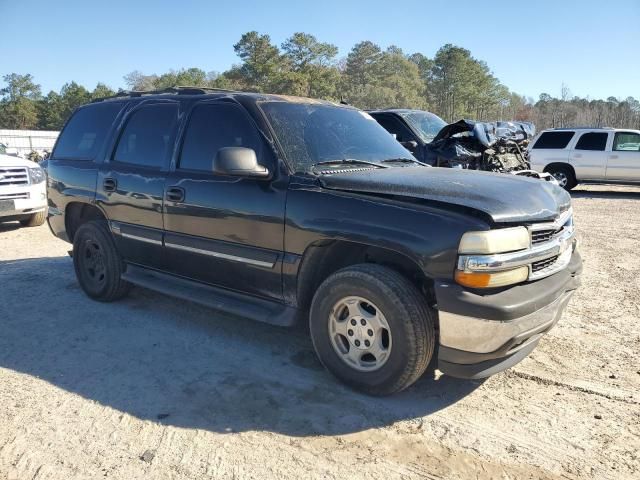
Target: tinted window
x=394 y=126
x=592 y=141
x=86 y=131
x=148 y=136
x=554 y=140
x=212 y=127
x=626 y=142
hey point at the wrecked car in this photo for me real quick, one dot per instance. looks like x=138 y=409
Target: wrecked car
x=296 y=209
x=489 y=146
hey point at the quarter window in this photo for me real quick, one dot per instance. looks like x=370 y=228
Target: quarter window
x=626 y=142
x=212 y=127
x=85 y=133
x=148 y=137
x=592 y=141
x=554 y=140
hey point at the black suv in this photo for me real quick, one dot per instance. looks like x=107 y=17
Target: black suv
x=280 y=208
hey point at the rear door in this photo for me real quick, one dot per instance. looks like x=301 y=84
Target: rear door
x=624 y=158
x=131 y=182
x=225 y=230
x=589 y=157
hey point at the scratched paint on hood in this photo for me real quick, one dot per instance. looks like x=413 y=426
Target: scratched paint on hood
x=505 y=198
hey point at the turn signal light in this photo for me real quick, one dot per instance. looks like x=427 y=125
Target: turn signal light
x=493 y=279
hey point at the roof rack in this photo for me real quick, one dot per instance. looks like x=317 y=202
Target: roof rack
x=178 y=90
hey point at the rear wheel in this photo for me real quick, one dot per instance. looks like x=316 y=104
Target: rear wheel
x=564 y=175
x=97 y=263
x=372 y=329
x=34 y=220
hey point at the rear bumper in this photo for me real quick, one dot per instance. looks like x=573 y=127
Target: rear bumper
x=482 y=334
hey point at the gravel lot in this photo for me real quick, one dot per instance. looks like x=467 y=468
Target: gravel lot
x=152 y=387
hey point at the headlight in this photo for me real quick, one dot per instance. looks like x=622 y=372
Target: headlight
x=495 y=241
x=37 y=175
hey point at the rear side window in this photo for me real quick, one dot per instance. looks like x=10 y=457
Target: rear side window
x=148 y=136
x=554 y=140
x=85 y=133
x=592 y=141
x=626 y=142
x=212 y=127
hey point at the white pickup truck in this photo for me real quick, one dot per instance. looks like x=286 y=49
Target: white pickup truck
x=583 y=155
x=23 y=191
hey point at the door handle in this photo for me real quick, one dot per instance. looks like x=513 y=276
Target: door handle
x=577 y=155
x=613 y=157
x=110 y=184
x=175 y=194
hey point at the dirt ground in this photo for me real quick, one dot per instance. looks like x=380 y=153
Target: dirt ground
x=156 y=388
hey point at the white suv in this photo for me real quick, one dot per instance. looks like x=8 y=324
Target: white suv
x=23 y=192
x=582 y=155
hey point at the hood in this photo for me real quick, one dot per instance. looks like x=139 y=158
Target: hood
x=503 y=197
x=11 y=161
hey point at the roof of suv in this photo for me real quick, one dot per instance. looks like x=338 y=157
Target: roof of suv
x=590 y=129
x=210 y=93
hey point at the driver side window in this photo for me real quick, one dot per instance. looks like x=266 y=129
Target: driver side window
x=393 y=126
x=212 y=127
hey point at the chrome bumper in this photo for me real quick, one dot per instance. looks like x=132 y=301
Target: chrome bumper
x=484 y=333
x=495 y=337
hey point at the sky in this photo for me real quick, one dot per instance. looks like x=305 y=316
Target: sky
x=533 y=47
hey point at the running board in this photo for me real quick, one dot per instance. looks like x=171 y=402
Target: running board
x=221 y=299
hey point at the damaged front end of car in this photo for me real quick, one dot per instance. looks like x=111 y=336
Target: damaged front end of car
x=489 y=146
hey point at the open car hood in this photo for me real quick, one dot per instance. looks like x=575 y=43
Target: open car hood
x=503 y=197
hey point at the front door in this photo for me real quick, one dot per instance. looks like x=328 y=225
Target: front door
x=624 y=159
x=224 y=230
x=131 y=182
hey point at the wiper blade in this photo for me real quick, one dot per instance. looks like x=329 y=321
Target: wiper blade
x=402 y=160
x=349 y=161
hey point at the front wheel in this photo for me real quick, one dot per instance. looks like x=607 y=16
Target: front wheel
x=34 y=220
x=97 y=263
x=372 y=329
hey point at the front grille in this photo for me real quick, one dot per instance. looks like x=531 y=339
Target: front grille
x=14 y=176
x=542 y=264
x=540 y=236
x=14 y=196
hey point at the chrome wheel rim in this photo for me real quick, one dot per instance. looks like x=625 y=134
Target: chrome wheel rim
x=561 y=177
x=360 y=334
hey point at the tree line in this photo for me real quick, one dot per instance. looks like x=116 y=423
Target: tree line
x=453 y=84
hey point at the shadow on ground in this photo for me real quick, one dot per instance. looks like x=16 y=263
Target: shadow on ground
x=9 y=226
x=169 y=361
x=628 y=194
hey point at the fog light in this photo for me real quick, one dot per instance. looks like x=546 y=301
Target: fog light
x=493 y=279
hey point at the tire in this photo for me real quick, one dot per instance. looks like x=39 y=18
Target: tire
x=384 y=296
x=97 y=263
x=564 y=175
x=35 y=219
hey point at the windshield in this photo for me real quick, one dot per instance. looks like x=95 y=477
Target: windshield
x=426 y=124
x=312 y=133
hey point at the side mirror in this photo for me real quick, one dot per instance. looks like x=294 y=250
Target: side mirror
x=411 y=145
x=238 y=161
